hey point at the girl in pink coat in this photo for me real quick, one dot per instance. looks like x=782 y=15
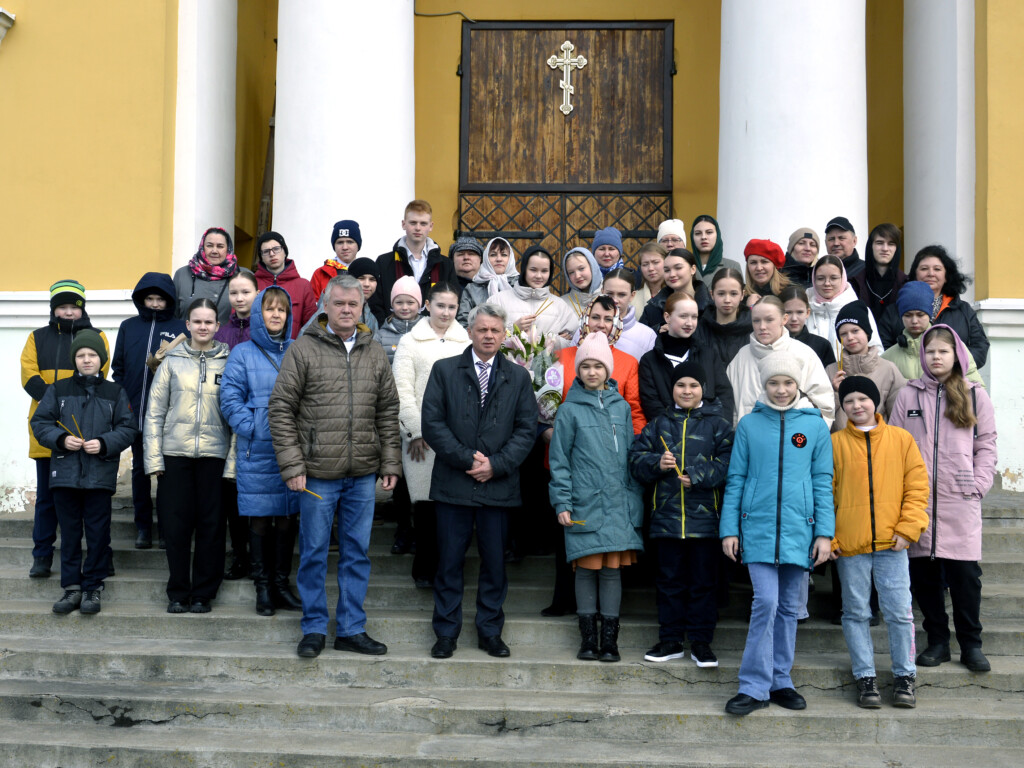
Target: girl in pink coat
x=953 y=423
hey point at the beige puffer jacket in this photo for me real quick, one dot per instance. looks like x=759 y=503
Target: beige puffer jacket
x=334 y=413
x=183 y=416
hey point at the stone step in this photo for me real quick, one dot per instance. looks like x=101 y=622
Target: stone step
x=668 y=716
x=1001 y=636
x=528 y=592
x=81 y=746
x=246 y=665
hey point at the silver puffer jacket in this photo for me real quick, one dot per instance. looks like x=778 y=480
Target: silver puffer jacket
x=183 y=416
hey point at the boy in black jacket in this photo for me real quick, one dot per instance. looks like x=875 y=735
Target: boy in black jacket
x=137 y=339
x=86 y=422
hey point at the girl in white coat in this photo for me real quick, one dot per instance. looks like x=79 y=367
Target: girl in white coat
x=433 y=338
x=768 y=318
x=829 y=293
x=530 y=304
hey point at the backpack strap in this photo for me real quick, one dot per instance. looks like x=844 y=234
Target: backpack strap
x=269 y=358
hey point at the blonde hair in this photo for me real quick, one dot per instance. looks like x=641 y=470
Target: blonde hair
x=959 y=409
x=776 y=283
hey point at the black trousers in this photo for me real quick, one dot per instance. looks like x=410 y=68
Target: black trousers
x=192 y=489
x=424 y=521
x=687 y=584
x=964 y=580
x=238 y=526
x=142 y=490
x=89 y=510
x=454 y=532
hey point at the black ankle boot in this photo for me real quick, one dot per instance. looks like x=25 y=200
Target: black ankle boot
x=610 y=638
x=280 y=592
x=588 y=637
x=264 y=605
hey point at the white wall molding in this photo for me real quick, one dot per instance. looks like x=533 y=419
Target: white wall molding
x=1004 y=323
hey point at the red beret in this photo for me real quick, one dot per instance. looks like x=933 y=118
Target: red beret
x=766 y=249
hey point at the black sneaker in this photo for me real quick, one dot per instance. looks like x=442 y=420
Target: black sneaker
x=41 y=567
x=666 y=650
x=72 y=599
x=703 y=655
x=91 y=601
x=903 y=692
x=868 y=696
x=144 y=540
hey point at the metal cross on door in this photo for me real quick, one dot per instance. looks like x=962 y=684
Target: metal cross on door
x=566 y=62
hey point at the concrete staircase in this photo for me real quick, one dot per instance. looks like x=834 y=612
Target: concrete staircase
x=135 y=686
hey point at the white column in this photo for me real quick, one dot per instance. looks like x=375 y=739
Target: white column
x=938 y=128
x=345 y=129
x=1004 y=324
x=792 y=147
x=204 y=130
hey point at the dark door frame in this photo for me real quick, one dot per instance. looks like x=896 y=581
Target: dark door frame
x=665 y=185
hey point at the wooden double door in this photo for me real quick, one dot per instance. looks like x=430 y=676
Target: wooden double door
x=548 y=157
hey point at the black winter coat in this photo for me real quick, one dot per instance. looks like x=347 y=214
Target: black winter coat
x=455 y=427
x=958 y=315
x=101 y=410
x=727 y=339
x=797 y=272
x=140 y=336
x=395 y=264
x=656 y=379
x=653 y=315
x=818 y=344
x=701 y=440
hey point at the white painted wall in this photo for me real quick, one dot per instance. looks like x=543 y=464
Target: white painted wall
x=1004 y=324
x=938 y=128
x=345 y=128
x=21 y=312
x=792 y=146
x=204 y=130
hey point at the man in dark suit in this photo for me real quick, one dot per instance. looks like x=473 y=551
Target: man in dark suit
x=480 y=417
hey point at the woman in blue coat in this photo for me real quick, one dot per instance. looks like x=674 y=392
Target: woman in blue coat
x=778 y=518
x=595 y=497
x=263 y=496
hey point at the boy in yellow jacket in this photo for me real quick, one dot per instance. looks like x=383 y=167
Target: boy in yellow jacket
x=880 y=487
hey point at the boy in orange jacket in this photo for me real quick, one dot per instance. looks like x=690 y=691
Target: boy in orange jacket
x=880 y=487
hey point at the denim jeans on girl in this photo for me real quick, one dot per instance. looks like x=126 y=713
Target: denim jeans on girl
x=891 y=571
x=351 y=500
x=771 y=638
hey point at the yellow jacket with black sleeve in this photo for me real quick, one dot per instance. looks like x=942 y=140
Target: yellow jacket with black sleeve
x=880 y=486
x=45 y=359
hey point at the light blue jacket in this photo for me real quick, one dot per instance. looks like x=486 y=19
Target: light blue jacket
x=590 y=474
x=778 y=497
x=244 y=394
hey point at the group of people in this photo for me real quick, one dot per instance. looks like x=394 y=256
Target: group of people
x=813 y=409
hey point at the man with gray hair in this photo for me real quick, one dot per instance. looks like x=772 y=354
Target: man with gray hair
x=333 y=417
x=480 y=417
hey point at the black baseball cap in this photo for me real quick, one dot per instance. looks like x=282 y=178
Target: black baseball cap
x=840 y=221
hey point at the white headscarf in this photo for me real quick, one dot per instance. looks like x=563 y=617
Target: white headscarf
x=486 y=275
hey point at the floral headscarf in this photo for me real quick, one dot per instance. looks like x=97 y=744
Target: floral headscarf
x=616 y=331
x=202 y=269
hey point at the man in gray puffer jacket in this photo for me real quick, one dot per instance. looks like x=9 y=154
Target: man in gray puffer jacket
x=334 y=422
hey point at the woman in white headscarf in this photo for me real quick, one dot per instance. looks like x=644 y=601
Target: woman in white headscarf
x=497 y=273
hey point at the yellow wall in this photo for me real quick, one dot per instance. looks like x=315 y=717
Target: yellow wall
x=884 y=58
x=438 y=44
x=87 y=139
x=254 y=104
x=999 y=125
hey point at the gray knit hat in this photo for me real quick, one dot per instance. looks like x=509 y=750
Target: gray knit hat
x=780 y=364
x=466 y=243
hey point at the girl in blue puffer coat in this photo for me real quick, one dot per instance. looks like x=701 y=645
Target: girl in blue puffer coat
x=596 y=499
x=263 y=497
x=778 y=518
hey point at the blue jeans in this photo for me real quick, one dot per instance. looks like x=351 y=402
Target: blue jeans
x=351 y=500
x=44 y=525
x=891 y=572
x=771 y=638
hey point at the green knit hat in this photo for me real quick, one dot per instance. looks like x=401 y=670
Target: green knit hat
x=67 y=292
x=88 y=338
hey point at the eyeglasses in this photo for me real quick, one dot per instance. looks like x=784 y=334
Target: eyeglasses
x=271 y=251
x=670 y=240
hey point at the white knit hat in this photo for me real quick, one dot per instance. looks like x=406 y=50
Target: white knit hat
x=673 y=227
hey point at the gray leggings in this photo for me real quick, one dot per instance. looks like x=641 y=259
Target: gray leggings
x=590 y=583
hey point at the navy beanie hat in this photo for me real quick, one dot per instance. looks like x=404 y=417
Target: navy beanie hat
x=915 y=295
x=855 y=312
x=607 y=236
x=689 y=369
x=861 y=384
x=346 y=228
